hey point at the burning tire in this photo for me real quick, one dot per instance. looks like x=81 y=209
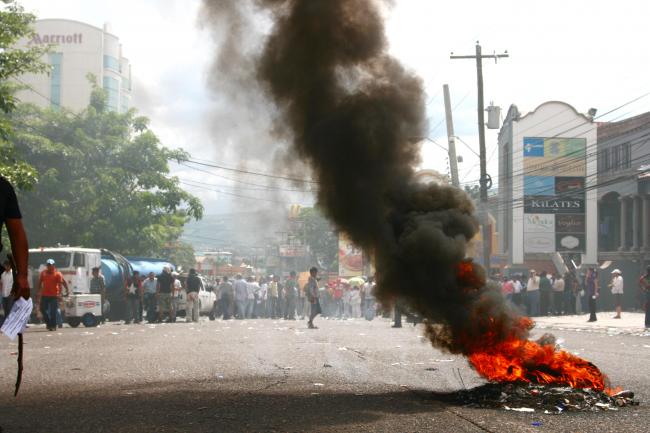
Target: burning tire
x=74 y=321
x=89 y=320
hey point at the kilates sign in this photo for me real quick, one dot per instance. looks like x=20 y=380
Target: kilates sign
x=542 y=204
x=554 y=194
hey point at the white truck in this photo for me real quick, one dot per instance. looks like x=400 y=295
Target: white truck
x=76 y=266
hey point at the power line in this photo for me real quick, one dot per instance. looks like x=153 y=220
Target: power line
x=238 y=170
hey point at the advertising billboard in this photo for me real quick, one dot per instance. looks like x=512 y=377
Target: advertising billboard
x=350 y=258
x=554 y=194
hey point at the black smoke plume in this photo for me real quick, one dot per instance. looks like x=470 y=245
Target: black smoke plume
x=352 y=111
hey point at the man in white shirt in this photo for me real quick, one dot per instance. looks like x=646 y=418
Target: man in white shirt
x=7 y=281
x=617 y=290
x=558 y=295
x=532 y=293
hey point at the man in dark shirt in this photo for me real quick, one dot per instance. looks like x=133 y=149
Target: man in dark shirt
x=227 y=298
x=164 y=293
x=194 y=284
x=290 y=295
x=11 y=217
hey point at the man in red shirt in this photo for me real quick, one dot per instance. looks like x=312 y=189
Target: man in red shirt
x=49 y=293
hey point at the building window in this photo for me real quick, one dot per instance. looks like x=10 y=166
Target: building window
x=111 y=62
x=603 y=160
x=616 y=158
x=627 y=155
x=126 y=84
x=112 y=87
x=55 y=80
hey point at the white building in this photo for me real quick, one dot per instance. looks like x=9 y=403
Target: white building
x=77 y=50
x=547 y=200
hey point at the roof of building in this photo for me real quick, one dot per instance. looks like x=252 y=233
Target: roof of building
x=607 y=130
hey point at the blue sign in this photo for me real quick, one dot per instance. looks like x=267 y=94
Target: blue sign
x=539 y=185
x=533 y=146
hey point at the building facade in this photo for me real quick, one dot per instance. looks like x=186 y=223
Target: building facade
x=547 y=201
x=78 y=50
x=624 y=198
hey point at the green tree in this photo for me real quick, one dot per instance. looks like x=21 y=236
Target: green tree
x=15 y=25
x=181 y=254
x=104 y=180
x=321 y=238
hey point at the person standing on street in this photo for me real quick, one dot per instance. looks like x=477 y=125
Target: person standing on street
x=11 y=217
x=98 y=287
x=369 y=299
x=49 y=293
x=311 y=290
x=133 y=297
x=517 y=290
x=7 y=281
x=558 y=295
x=644 y=282
x=150 y=287
x=241 y=297
x=176 y=296
x=532 y=294
x=290 y=295
x=272 y=305
x=545 y=289
x=227 y=298
x=591 y=287
x=164 y=293
x=617 y=290
x=194 y=284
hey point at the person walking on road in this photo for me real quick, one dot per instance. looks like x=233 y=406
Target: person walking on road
x=194 y=284
x=617 y=290
x=545 y=289
x=311 y=290
x=49 y=293
x=150 y=287
x=591 y=287
x=644 y=282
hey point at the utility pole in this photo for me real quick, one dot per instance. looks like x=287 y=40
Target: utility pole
x=453 y=160
x=483 y=208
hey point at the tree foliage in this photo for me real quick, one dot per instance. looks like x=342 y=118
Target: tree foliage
x=181 y=254
x=15 y=25
x=104 y=180
x=321 y=238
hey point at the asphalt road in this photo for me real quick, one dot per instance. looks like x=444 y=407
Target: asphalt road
x=277 y=376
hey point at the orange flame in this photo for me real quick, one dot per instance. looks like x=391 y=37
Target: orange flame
x=527 y=361
x=501 y=351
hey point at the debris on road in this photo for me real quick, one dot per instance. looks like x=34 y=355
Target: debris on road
x=546 y=399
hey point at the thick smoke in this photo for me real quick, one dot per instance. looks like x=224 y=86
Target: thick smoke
x=352 y=112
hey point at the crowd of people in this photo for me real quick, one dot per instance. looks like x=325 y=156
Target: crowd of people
x=155 y=298
x=555 y=294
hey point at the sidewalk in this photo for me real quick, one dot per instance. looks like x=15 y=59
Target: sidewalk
x=629 y=323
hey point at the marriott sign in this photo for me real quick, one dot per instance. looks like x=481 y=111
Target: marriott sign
x=38 y=39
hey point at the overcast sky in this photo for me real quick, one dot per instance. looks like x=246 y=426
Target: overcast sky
x=586 y=53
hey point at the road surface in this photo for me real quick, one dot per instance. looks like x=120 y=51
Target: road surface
x=277 y=376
